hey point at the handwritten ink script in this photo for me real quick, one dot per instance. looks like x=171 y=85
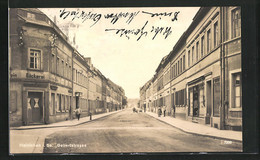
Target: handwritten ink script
x=128 y=18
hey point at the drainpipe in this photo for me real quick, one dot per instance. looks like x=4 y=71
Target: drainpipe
x=72 y=84
x=222 y=72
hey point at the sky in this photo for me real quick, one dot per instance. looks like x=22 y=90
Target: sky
x=127 y=50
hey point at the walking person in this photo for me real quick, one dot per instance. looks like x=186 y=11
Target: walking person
x=78 y=112
x=164 y=110
x=159 y=112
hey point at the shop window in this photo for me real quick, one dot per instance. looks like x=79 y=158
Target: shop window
x=236 y=22
x=202 y=100
x=216 y=99
x=216 y=34
x=180 y=97
x=208 y=40
x=237 y=90
x=190 y=109
x=52 y=105
x=58 y=105
x=35 y=59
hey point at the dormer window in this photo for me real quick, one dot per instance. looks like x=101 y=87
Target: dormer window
x=31 y=16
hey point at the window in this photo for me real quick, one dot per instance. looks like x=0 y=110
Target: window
x=52 y=63
x=236 y=22
x=189 y=58
x=184 y=63
x=58 y=65
x=76 y=75
x=174 y=71
x=202 y=45
x=197 y=51
x=171 y=72
x=192 y=58
x=178 y=68
x=216 y=35
x=35 y=59
x=216 y=99
x=208 y=41
x=70 y=72
x=180 y=97
x=30 y=15
x=237 y=91
x=181 y=65
x=62 y=67
x=66 y=71
x=58 y=107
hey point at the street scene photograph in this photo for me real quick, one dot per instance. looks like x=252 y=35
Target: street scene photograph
x=125 y=80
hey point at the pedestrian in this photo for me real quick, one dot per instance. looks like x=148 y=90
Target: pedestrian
x=159 y=112
x=78 y=112
x=164 y=110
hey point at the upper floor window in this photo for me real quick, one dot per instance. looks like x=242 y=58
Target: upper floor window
x=35 y=59
x=70 y=72
x=192 y=56
x=174 y=71
x=184 y=63
x=53 y=69
x=236 y=22
x=216 y=34
x=181 y=65
x=202 y=45
x=208 y=40
x=188 y=58
x=62 y=67
x=197 y=51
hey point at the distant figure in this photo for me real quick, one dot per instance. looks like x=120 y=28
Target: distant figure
x=159 y=112
x=134 y=110
x=164 y=110
x=78 y=112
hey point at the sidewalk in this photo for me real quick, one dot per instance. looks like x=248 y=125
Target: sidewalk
x=68 y=123
x=200 y=129
x=30 y=139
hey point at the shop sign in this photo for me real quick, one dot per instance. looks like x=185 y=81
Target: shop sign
x=34 y=76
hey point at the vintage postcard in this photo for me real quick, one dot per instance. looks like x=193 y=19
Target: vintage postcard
x=125 y=80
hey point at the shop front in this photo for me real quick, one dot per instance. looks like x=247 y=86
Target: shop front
x=196 y=101
x=35 y=106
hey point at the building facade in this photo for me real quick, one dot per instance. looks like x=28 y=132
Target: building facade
x=49 y=78
x=200 y=79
